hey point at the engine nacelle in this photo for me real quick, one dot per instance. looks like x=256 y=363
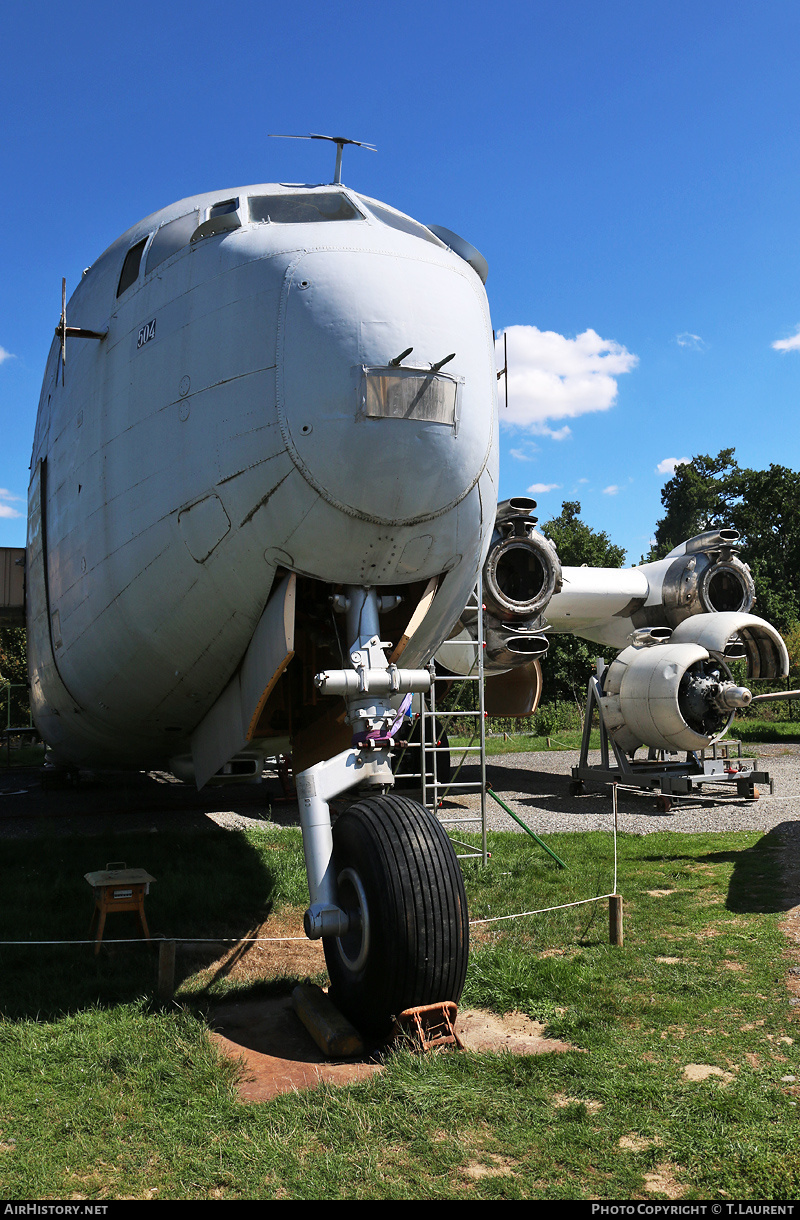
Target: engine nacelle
x=678 y=694
x=521 y=574
x=522 y=570
x=701 y=576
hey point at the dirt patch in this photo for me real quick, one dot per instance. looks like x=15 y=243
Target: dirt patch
x=663 y=1182
x=703 y=1071
x=561 y=1101
x=499 y=1166
x=276 y=1052
x=278 y=1055
x=276 y=948
x=516 y=1033
x=636 y=1143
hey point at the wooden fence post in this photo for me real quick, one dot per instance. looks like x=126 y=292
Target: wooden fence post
x=615 y=919
x=166 y=971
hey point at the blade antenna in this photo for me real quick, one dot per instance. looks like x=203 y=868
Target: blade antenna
x=61 y=329
x=339 y=141
x=504 y=370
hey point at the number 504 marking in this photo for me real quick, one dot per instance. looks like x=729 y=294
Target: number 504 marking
x=146 y=333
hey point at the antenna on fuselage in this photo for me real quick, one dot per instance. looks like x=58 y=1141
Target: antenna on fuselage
x=504 y=370
x=64 y=332
x=339 y=141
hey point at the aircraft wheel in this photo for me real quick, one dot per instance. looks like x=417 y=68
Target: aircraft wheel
x=399 y=877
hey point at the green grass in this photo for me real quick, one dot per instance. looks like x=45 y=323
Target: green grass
x=104 y=1094
x=519 y=743
x=748 y=731
x=766 y=730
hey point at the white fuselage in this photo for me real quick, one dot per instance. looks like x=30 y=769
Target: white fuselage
x=222 y=430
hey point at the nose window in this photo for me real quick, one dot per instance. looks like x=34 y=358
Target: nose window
x=410 y=394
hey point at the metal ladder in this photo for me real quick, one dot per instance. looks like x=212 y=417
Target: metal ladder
x=434 y=789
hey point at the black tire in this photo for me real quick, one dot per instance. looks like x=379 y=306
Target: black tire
x=397 y=870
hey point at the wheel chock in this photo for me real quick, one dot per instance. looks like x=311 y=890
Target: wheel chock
x=429 y=1026
x=333 y=1033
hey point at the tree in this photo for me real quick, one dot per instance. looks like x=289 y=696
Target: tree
x=570 y=661
x=14 y=670
x=763 y=505
x=697 y=498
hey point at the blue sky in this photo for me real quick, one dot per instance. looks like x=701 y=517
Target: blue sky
x=629 y=169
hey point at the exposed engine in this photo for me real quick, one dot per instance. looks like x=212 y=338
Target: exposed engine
x=701 y=576
x=672 y=690
x=521 y=574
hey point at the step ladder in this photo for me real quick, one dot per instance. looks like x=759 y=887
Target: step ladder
x=435 y=789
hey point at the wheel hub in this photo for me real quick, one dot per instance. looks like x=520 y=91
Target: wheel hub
x=353 y=947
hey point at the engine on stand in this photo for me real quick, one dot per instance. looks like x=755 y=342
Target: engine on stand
x=671 y=691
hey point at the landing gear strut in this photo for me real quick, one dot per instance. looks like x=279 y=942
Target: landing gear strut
x=387 y=896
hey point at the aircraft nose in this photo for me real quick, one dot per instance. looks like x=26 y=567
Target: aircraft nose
x=388 y=442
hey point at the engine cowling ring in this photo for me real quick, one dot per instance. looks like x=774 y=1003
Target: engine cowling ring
x=521 y=574
x=668 y=696
x=699 y=583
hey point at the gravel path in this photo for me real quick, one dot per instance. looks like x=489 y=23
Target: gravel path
x=535 y=786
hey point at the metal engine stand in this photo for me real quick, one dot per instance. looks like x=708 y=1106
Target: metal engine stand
x=660 y=772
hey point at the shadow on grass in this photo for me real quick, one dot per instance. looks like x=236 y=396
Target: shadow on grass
x=761 y=881
x=209 y=883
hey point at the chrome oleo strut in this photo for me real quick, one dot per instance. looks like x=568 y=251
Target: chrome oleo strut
x=367 y=689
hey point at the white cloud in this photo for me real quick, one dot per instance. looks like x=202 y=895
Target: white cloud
x=788 y=345
x=552 y=377
x=7 y=509
x=667 y=466
x=611 y=490
x=687 y=339
x=539 y=489
x=525 y=455
x=4 y=355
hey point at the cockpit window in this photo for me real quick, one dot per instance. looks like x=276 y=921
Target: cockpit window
x=302 y=209
x=404 y=223
x=170 y=238
x=223 y=208
x=130 y=268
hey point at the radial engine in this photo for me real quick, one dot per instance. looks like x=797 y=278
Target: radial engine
x=672 y=690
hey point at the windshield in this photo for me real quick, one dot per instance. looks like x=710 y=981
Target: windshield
x=307 y=208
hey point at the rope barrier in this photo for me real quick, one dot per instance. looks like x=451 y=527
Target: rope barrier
x=183 y=940
x=226 y=940
x=562 y=906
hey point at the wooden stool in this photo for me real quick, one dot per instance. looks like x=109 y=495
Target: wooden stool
x=118 y=888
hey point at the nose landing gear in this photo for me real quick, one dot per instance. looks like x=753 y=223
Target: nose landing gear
x=407 y=941
x=387 y=895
